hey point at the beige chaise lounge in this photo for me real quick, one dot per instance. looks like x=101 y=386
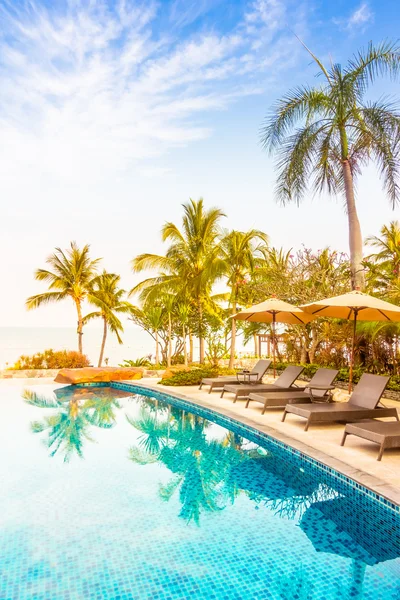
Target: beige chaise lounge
x=256 y=375
x=318 y=390
x=387 y=435
x=284 y=382
x=363 y=404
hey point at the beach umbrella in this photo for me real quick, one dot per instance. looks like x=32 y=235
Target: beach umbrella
x=355 y=306
x=274 y=311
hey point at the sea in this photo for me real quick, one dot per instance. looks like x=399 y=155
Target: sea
x=15 y=341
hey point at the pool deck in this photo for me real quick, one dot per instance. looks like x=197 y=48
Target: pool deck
x=357 y=459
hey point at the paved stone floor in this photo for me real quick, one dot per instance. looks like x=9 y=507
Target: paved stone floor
x=357 y=458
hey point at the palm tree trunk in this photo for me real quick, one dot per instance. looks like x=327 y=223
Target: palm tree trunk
x=201 y=338
x=355 y=237
x=190 y=347
x=157 y=349
x=80 y=326
x=184 y=345
x=255 y=344
x=169 y=340
x=103 y=343
x=233 y=335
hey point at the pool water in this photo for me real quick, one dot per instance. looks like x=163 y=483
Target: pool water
x=110 y=493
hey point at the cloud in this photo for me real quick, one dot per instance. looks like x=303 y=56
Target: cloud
x=359 y=19
x=92 y=88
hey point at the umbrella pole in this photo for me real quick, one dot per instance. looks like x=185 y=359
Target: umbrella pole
x=352 y=351
x=273 y=340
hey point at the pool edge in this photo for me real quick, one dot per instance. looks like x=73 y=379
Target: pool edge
x=381 y=490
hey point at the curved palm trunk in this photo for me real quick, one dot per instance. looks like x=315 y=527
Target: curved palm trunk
x=190 y=347
x=169 y=340
x=355 y=237
x=103 y=343
x=201 y=338
x=80 y=325
x=157 y=349
x=184 y=346
x=233 y=335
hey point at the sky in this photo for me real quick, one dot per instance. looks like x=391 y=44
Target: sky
x=113 y=114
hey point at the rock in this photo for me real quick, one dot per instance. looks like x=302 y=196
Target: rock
x=99 y=374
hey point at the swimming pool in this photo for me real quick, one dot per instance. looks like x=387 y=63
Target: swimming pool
x=122 y=493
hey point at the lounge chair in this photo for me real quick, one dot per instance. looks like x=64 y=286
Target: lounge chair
x=317 y=390
x=284 y=382
x=387 y=435
x=256 y=374
x=362 y=404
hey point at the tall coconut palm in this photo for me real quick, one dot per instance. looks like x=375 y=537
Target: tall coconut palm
x=192 y=262
x=107 y=296
x=238 y=252
x=71 y=276
x=324 y=135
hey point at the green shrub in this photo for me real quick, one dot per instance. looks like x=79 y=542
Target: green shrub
x=138 y=362
x=52 y=359
x=195 y=375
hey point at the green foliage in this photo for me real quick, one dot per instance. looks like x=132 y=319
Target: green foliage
x=138 y=362
x=195 y=376
x=52 y=359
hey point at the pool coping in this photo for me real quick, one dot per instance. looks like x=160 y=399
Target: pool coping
x=380 y=490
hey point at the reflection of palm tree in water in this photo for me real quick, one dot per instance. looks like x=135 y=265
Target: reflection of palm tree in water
x=208 y=474
x=69 y=427
x=199 y=466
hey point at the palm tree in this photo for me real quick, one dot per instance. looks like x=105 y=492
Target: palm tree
x=239 y=252
x=384 y=265
x=183 y=313
x=108 y=298
x=192 y=262
x=71 y=277
x=68 y=428
x=339 y=133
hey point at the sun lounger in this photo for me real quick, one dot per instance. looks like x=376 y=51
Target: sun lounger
x=317 y=390
x=363 y=404
x=256 y=375
x=387 y=435
x=284 y=382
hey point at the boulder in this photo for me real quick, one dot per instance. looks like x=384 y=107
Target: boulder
x=98 y=374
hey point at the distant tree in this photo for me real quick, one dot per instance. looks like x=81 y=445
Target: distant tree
x=108 y=297
x=239 y=252
x=192 y=262
x=71 y=275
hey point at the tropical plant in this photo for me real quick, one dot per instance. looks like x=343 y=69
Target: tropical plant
x=239 y=253
x=143 y=361
x=108 y=297
x=339 y=132
x=52 y=359
x=71 y=277
x=191 y=264
x=384 y=264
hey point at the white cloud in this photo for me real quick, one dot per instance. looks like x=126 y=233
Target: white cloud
x=359 y=19
x=87 y=90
